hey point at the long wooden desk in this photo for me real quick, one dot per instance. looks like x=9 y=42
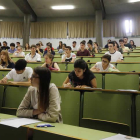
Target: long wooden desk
x=60 y=131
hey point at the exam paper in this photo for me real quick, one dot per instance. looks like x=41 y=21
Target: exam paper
x=17 y=122
x=121 y=137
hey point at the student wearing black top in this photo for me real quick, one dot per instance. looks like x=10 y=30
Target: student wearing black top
x=49 y=50
x=6 y=61
x=38 y=49
x=81 y=77
x=126 y=43
x=132 y=44
x=5 y=47
x=106 y=46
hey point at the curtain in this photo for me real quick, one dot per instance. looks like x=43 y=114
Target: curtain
x=77 y=29
x=135 y=26
x=11 y=29
x=91 y=29
x=48 y=30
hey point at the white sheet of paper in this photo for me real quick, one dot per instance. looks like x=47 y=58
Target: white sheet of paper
x=17 y=122
x=120 y=137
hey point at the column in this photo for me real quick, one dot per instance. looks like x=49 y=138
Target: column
x=99 y=27
x=26 y=30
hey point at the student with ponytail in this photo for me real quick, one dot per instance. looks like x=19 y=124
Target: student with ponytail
x=81 y=77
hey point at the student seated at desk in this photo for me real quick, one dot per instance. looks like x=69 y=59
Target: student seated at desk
x=5 y=47
x=115 y=55
x=42 y=99
x=83 y=51
x=6 y=61
x=103 y=66
x=49 y=50
x=81 y=77
x=125 y=49
x=19 y=53
x=49 y=63
x=33 y=56
x=68 y=56
x=61 y=51
x=38 y=49
x=21 y=74
x=12 y=48
x=27 y=47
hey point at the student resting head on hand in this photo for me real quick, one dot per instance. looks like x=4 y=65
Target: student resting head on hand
x=81 y=77
x=42 y=99
x=103 y=66
x=6 y=61
x=49 y=62
x=20 y=75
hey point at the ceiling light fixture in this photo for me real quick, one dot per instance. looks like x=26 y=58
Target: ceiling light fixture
x=1 y=7
x=131 y=1
x=63 y=7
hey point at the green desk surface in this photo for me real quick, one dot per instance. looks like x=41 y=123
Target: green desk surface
x=73 y=131
x=5 y=116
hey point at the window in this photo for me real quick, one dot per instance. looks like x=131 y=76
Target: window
x=128 y=26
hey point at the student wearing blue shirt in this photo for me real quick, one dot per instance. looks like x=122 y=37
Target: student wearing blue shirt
x=12 y=48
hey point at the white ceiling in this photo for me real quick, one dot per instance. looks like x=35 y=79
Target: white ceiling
x=43 y=8
x=11 y=9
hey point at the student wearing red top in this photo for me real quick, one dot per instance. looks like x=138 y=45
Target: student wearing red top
x=50 y=44
x=83 y=51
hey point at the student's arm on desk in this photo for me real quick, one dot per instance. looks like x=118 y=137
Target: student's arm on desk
x=4 y=80
x=28 y=83
x=119 y=60
x=52 y=113
x=67 y=83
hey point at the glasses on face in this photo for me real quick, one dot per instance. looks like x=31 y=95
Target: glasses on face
x=104 y=61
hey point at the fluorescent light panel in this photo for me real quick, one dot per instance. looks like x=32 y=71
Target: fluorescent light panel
x=63 y=7
x=131 y=1
x=1 y=7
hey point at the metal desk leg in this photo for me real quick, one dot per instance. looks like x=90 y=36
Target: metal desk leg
x=81 y=106
x=133 y=115
x=103 y=81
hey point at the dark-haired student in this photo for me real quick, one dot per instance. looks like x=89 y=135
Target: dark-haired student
x=74 y=47
x=6 y=61
x=38 y=49
x=18 y=44
x=61 y=51
x=12 y=48
x=68 y=56
x=50 y=45
x=106 y=46
x=42 y=99
x=5 y=47
x=125 y=49
x=81 y=77
x=49 y=62
x=126 y=43
x=117 y=48
x=49 y=50
x=83 y=51
x=60 y=45
x=33 y=56
x=21 y=74
x=132 y=44
x=103 y=66
x=91 y=49
x=115 y=55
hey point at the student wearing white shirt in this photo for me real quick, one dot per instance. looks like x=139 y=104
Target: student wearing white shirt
x=19 y=52
x=74 y=47
x=68 y=56
x=115 y=55
x=21 y=74
x=104 y=65
x=125 y=49
x=33 y=56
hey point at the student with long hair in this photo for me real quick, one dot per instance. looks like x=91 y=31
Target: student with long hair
x=132 y=44
x=49 y=50
x=27 y=47
x=81 y=77
x=6 y=61
x=49 y=62
x=60 y=45
x=42 y=99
